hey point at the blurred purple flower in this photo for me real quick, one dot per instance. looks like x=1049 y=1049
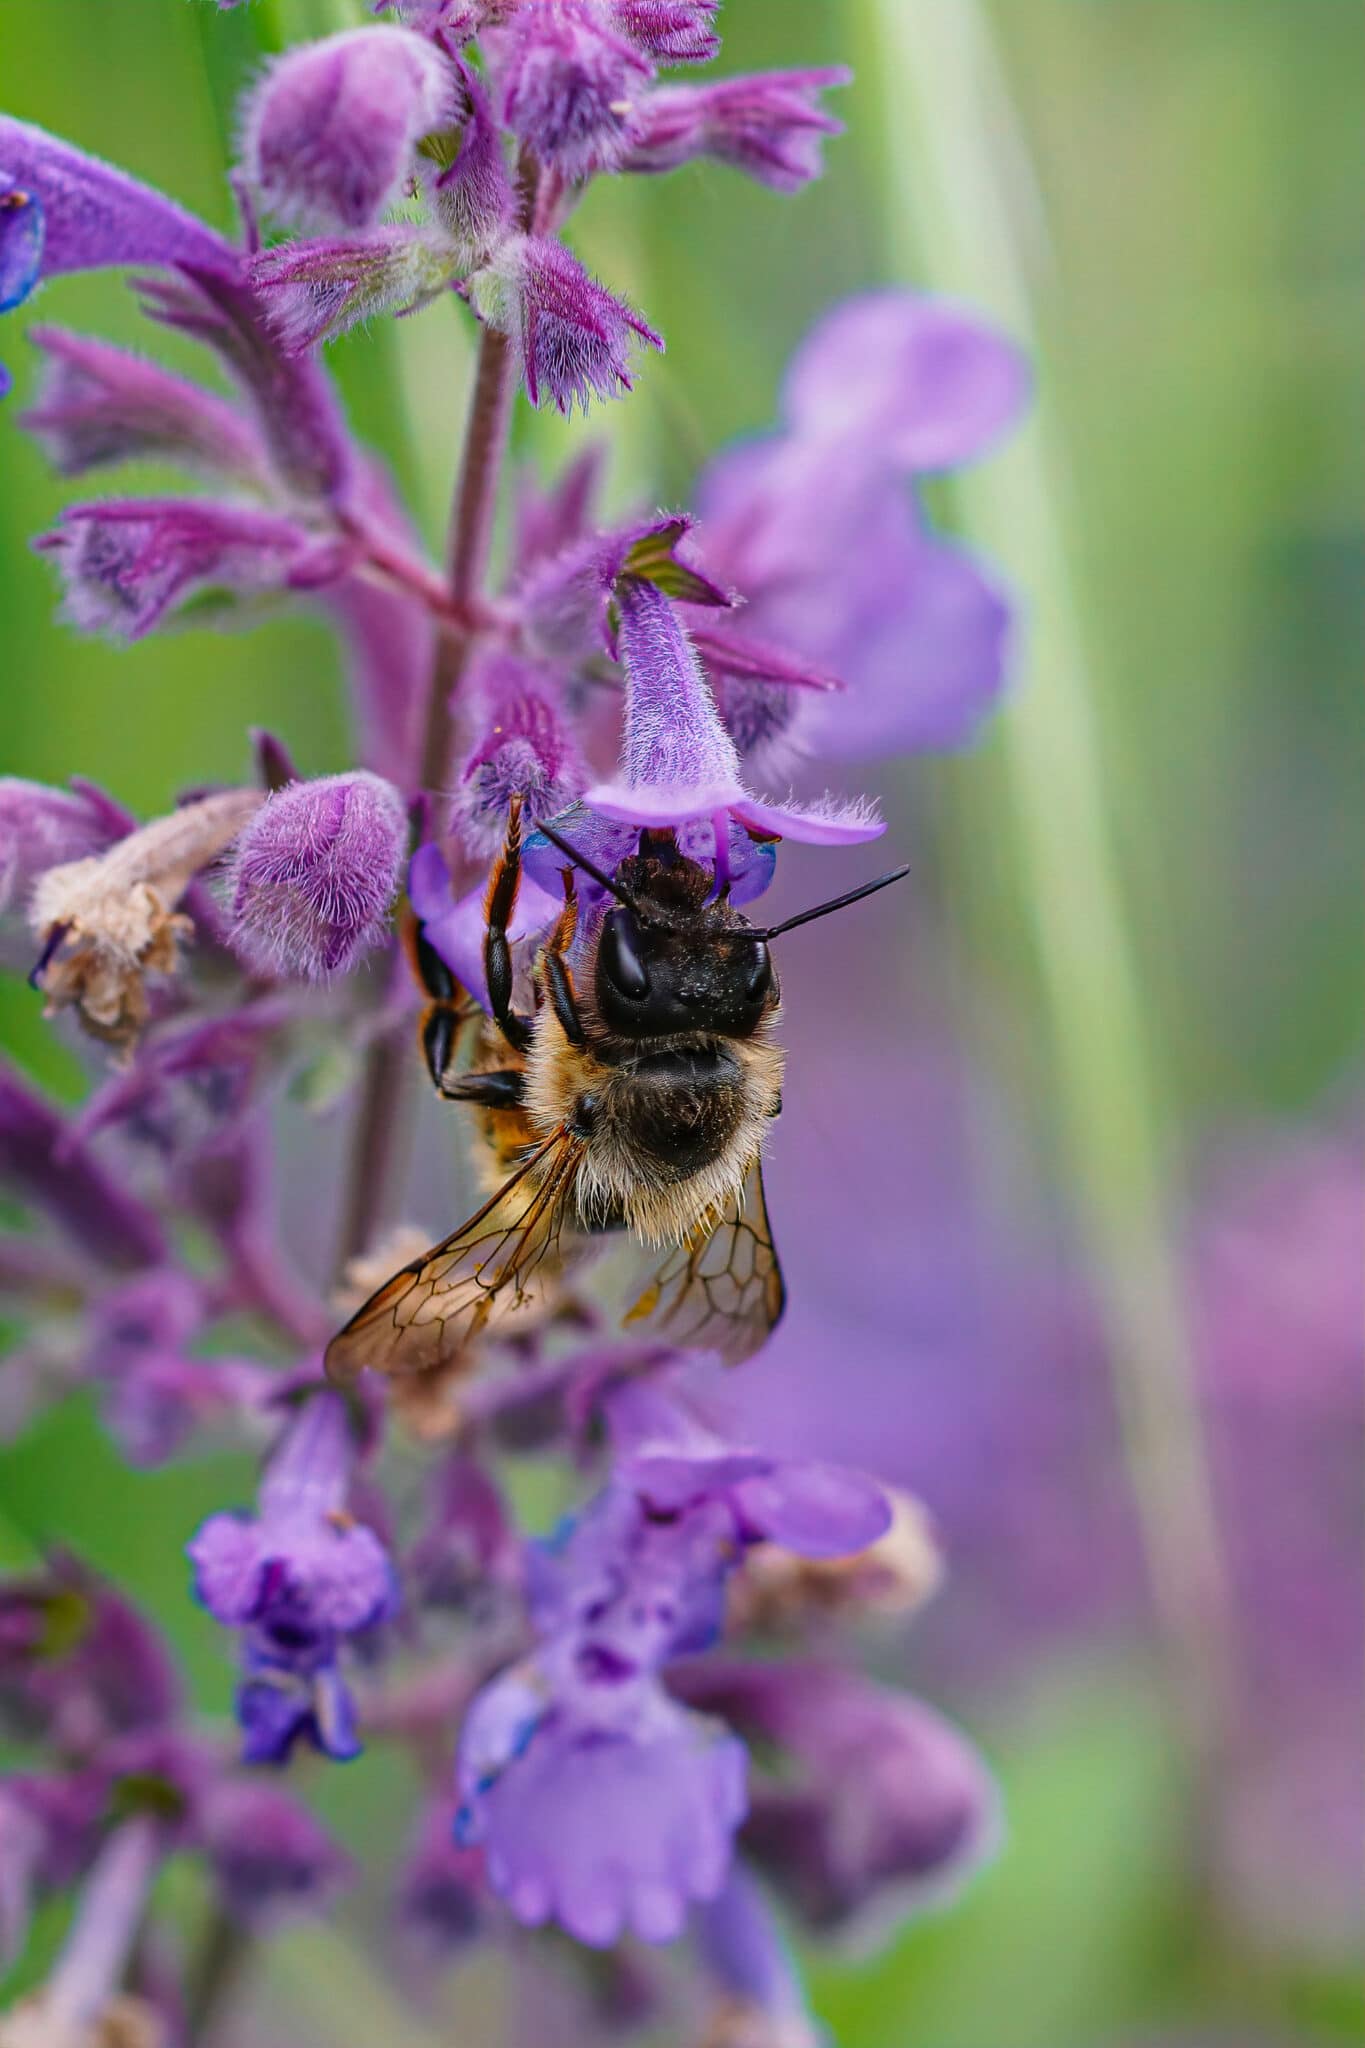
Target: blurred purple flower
x=126 y=563
x=300 y=1576
x=329 y=132
x=156 y=1394
x=771 y=126
x=314 y=874
x=272 y=1861
x=102 y=405
x=78 y=1664
x=876 y=1803
x=44 y=1162
x=572 y=337
x=442 y=1898
x=816 y=527
x=760 y=2003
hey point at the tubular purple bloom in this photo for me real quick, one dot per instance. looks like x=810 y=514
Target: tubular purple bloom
x=127 y=562
x=313 y=291
x=329 y=133
x=524 y=746
x=678 y=762
x=879 y=1807
x=42 y=828
x=272 y=1861
x=571 y=335
x=314 y=874
x=156 y=1394
x=43 y=1160
x=78 y=1663
x=567 y=601
x=673 y=1460
x=470 y=192
x=568 y=79
x=770 y=126
x=101 y=405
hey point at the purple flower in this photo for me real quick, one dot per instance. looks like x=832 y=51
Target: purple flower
x=272 y=1861
x=300 y=1576
x=878 y=1806
x=138 y=1350
x=469 y=192
x=673 y=1461
x=78 y=1663
x=313 y=291
x=567 y=598
x=101 y=405
x=48 y=1831
x=760 y=2001
x=42 y=828
x=770 y=126
x=816 y=527
x=599 y=1802
x=680 y=768
x=127 y=563
x=314 y=874
x=442 y=1898
x=329 y=133
x=525 y=746
x=572 y=336
x=95 y=216
x=568 y=80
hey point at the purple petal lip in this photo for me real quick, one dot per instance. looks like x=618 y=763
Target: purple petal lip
x=662 y=803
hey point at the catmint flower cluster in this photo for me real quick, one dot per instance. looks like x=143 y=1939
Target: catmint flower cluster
x=647 y=1726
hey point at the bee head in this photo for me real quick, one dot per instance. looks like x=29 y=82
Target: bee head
x=654 y=979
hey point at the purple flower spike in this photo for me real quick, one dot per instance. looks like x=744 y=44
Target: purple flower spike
x=525 y=746
x=572 y=336
x=770 y=126
x=674 y=1461
x=314 y=874
x=330 y=132
x=568 y=85
x=678 y=761
x=272 y=1861
x=101 y=405
x=95 y=216
x=127 y=563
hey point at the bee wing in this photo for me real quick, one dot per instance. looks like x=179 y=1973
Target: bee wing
x=722 y=1290
x=505 y=1257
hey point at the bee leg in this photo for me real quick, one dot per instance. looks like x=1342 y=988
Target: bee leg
x=558 y=979
x=503 y=1089
x=497 y=953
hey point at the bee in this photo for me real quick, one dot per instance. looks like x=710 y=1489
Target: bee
x=636 y=1095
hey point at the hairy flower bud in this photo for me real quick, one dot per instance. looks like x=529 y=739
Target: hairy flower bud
x=313 y=291
x=524 y=746
x=314 y=875
x=330 y=131
x=571 y=335
x=101 y=405
x=465 y=175
x=672 y=31
x=771 y=126
x=568 y=85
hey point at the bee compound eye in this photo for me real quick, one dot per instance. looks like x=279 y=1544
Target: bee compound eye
x=760 y=977
x=619 y=957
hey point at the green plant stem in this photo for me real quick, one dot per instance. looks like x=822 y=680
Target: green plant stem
x=960 y=174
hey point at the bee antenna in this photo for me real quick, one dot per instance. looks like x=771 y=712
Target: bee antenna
x=590 y=867
x=838 y=903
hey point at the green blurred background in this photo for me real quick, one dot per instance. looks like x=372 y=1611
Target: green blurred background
x=1147 y=863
